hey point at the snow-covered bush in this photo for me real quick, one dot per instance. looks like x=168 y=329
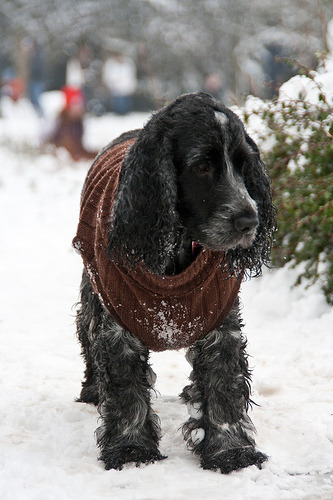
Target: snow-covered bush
x=297 y=143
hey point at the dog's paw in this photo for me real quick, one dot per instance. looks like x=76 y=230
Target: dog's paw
x=234 y=459
x=117 y=458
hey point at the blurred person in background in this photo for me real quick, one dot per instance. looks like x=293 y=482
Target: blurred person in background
x=119 y=77
x=83 y=71
x=67 y=131
x=36 y=76
x=11 y=85
x=213 y=85
x=79 y=69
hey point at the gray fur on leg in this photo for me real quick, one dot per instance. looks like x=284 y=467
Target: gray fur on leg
x=219 y=429
x=130 y=429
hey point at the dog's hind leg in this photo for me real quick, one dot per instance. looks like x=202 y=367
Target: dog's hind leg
x=130 y=429
x=219 y=429
x=88 y=320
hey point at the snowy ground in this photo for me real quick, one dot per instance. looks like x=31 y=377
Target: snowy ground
x=47 y=448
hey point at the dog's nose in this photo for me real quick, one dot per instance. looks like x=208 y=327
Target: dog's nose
x=246 y=223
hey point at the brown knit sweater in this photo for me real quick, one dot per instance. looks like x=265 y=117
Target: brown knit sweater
x=165 y=312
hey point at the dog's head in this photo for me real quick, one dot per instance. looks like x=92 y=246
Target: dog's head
x=193 y=169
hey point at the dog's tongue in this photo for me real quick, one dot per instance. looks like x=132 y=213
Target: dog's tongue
x=194 y=246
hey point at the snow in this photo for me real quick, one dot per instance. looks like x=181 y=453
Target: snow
x=306 y=89
x=47 y=440
x=309 y=89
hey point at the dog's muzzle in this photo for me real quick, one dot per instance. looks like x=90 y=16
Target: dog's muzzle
x=245 y=227
x=246 y=224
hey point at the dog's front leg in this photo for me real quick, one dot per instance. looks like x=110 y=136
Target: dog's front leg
x=219 y=429
x=130 y=429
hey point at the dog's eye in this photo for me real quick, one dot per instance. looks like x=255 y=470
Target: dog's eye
x=204 y=168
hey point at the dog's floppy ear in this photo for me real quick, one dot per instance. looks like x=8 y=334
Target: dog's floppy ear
x=144 y=217
x=258 y=184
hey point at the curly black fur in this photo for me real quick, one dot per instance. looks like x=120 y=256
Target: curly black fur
x=192 y=175
x=146 y=203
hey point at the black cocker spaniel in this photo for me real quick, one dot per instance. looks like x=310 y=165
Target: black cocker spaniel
x=172 y=217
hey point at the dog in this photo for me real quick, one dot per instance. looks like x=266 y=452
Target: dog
x=173 y=217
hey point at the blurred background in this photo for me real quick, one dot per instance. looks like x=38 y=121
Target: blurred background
x=158 y=49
